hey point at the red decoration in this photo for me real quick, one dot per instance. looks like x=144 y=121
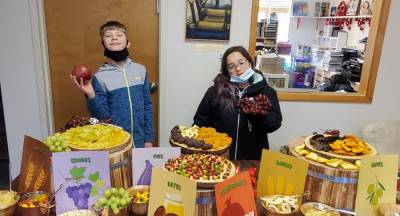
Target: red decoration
x=341 y=9
x=361 y=22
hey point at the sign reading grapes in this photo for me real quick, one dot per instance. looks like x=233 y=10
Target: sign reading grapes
x=83 y=176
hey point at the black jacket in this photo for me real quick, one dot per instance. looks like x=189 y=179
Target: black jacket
x=252 y=130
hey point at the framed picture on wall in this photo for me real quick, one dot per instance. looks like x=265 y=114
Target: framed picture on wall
x=208 y=19
x=300 y=8
x=366 y=7
x=321 y=9
x=352 y=7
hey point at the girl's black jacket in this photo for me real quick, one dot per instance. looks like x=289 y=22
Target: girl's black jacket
x=248 y=132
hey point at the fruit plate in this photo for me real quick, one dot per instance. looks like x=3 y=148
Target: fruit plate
x=228 y=169
x=190 y=150
x=339 y=156
x=114 y=148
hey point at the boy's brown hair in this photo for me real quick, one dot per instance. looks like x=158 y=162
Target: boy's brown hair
x=113 y=25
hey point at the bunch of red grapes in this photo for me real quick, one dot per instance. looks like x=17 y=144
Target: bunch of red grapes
x=256 y=105
x=77 y=121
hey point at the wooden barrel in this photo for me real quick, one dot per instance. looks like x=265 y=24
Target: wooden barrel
x=121 y=166
x=332 y=186
x=205 y=202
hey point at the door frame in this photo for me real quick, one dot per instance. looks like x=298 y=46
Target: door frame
x=42 y=68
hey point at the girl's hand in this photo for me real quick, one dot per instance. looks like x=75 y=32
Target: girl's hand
x=86 y=88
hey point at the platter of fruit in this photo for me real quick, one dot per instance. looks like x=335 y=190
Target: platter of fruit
x=200 y=140
x=330 y=144
x=96 y=137
x=307 y=154
x=205 y=169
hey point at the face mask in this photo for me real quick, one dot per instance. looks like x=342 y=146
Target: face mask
x=244 y=77
x=117 y=56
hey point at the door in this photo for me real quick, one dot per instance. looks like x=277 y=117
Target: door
x=73 y=38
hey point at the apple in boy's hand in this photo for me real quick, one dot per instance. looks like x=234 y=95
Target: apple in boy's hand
x=81 y=71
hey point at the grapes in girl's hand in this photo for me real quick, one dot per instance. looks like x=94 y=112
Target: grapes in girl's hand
x=256 y=105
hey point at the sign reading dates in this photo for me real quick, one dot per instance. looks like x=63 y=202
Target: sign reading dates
x=203 y=168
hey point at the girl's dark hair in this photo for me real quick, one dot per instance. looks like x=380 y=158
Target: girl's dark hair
x=225 y=94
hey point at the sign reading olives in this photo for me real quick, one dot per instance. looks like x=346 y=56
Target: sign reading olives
x=377 y=164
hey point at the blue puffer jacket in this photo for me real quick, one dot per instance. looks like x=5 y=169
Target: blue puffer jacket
x=112 y=101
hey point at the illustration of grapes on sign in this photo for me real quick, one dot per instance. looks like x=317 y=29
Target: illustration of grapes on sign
x=375 y=192
x=81 y=189
x=83 y=175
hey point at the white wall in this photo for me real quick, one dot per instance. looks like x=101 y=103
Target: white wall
x=22 y=76
x=185 y=75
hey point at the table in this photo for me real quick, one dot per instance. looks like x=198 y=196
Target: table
x=242 y=164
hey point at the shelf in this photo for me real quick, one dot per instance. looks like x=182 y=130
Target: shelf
x=333 y=17
x=327 y=37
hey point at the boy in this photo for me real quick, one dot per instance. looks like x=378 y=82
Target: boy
x=119 y=90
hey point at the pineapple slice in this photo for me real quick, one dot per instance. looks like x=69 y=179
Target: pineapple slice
x=312 y=156
x=348 y=166
x=333 y=162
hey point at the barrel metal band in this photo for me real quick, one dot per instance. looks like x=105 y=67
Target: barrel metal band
x=335 y=179
x=119 y=164
x=205 y=200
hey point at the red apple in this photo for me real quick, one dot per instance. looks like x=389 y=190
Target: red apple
x=81 y=71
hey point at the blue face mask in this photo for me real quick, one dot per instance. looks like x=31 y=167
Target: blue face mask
x=244 y=77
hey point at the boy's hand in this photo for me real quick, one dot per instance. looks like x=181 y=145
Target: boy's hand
x=148 y=144
x=87 y=87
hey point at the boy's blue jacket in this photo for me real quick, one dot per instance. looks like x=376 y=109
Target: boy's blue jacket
x=111 y=100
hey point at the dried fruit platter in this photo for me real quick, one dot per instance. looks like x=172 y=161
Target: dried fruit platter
x=200 y=140
x=299 y=150
x=97 y=137
x=348 y=148
x=205 y=169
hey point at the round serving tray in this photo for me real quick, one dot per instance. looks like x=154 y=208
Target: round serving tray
x=115 y=148
x=333 y=155
x=211 y=183
x=189 y=150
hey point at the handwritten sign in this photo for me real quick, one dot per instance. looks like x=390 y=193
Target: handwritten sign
x=235 y=196
x=281 y=174
x=83 y=175
x=144 y=159
x=172 y=193
x=377 y=183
